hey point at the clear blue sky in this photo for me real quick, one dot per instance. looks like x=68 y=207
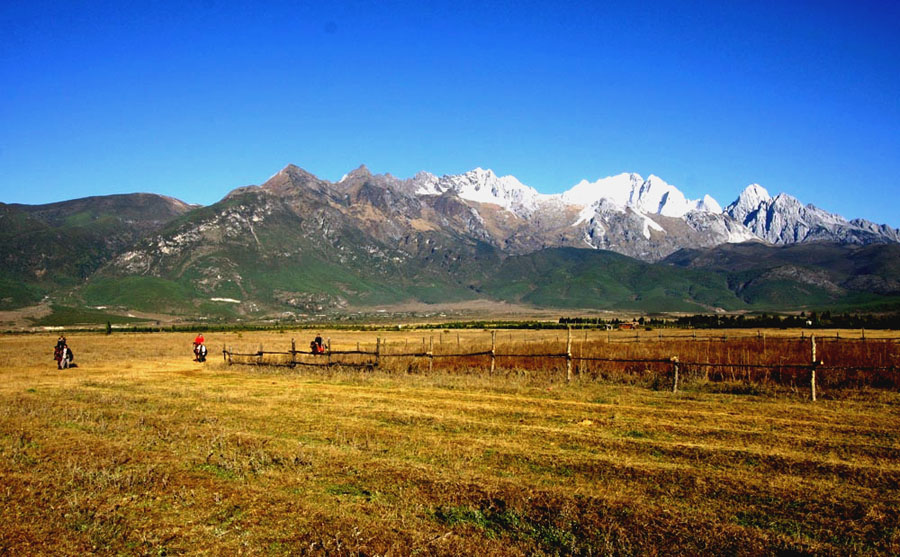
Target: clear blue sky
x=193 y=99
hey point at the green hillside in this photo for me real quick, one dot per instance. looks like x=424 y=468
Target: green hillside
x=55 y=247
x=580 y=278
x=814 y=275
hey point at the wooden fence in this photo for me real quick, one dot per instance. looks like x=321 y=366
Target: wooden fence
x=673 y=367
x=625 y=336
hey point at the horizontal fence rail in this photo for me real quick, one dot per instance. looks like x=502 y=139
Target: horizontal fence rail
x=783 y=371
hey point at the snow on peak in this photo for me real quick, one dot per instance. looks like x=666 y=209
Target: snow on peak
x=425 y=183
x=754 y=194
x=709 y=205
x=650 y=196
x=483 y=186
x=752 y=199
x=616 y=189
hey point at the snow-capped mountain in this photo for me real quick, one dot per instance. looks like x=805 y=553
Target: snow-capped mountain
x=783 y=219
x=651 y=196
x=650 y=218
x=432 y=216
x=646 y=218
x=484 y=186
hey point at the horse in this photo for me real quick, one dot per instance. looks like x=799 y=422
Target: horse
x=200 y=352
x=63 y=356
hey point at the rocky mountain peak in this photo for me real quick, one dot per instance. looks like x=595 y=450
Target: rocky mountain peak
x=647 y=218
x=784 y=219
x=295 y=173
x=749 y=199
x=362 y=171
x=287 y=181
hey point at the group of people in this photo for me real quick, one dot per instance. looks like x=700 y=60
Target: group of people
x=63 y=354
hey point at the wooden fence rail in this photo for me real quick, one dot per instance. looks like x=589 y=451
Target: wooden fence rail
x=376 y=357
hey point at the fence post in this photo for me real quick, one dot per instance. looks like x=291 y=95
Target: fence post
x=675 y=370
x=328 y=344
x=430 y=354
x=569 y=354
x=224 y=353
x=260 y=356
x=293 y=353
x=812 y=375
x=377 y=351
x=493 y=350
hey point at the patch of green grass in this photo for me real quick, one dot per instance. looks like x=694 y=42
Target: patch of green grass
x=786 y=526
x=732 y=388
x=499 y=522
x=218 y=471
x=350 y=490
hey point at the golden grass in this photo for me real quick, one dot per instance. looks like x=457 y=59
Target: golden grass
x=139 y=450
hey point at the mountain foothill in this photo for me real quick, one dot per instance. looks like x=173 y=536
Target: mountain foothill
x=299 y=246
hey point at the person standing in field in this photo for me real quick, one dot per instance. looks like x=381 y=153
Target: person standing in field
x=198 y=342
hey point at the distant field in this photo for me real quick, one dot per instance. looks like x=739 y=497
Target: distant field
x=139 y=450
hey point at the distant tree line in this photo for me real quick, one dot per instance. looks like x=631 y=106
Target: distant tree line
x=815 y=320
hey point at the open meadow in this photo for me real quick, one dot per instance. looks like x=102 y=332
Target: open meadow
x=139 y=450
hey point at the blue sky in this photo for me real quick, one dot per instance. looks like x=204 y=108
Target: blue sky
x=192 y=99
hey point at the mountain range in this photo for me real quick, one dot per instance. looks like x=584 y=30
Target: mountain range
x=299 y=245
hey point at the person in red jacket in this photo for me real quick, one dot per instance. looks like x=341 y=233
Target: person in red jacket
x=198 y=342
x=317 y=346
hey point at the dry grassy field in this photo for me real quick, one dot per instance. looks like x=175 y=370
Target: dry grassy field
x=140 y=450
